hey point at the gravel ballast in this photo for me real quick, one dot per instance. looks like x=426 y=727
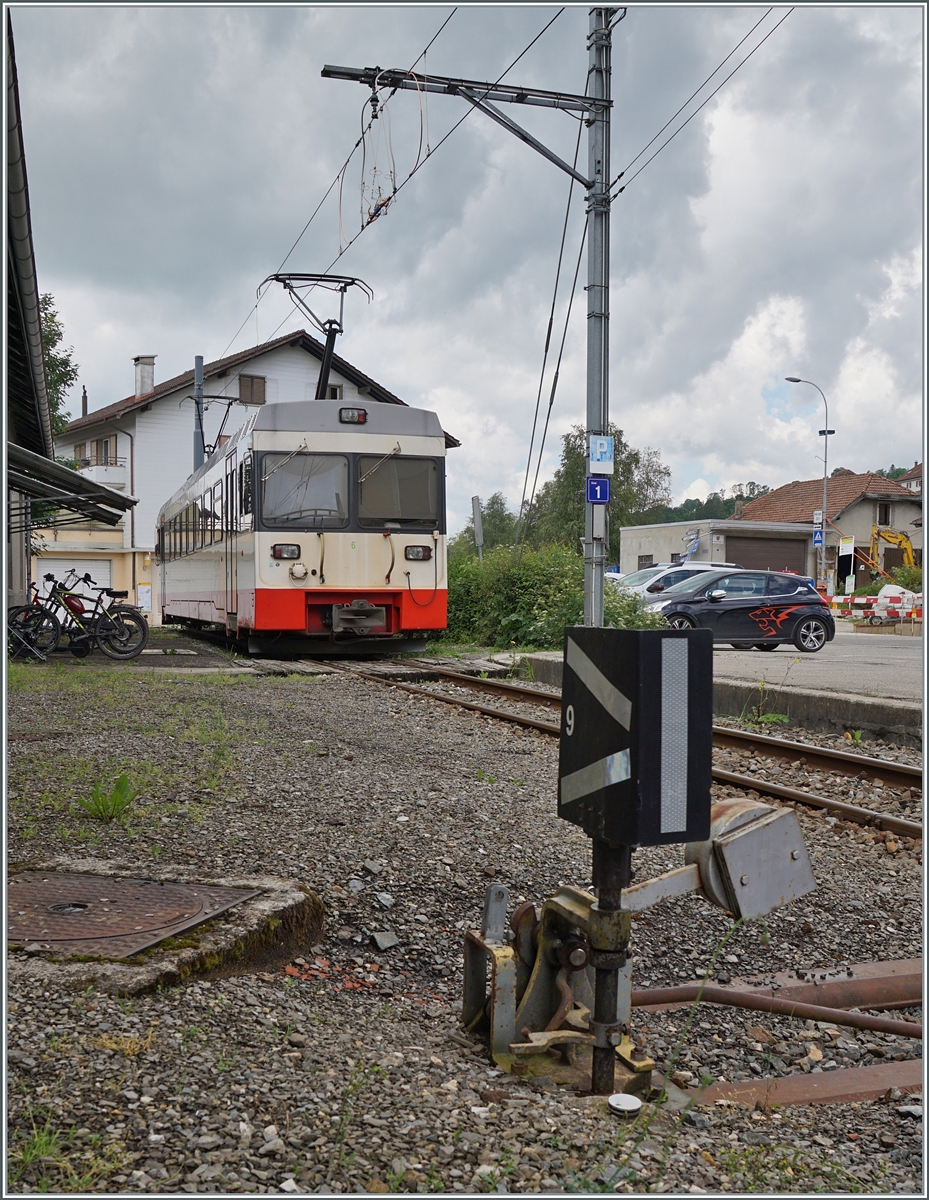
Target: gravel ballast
x=345 y=1068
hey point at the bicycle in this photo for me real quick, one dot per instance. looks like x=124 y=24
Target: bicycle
x=119 y=630
x=31 y=631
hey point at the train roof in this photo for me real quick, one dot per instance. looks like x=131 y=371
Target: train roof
x=322 y=416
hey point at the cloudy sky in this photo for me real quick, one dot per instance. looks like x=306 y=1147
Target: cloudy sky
x=175 y=154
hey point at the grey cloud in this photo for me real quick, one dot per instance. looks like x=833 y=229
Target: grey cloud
x=175 y=153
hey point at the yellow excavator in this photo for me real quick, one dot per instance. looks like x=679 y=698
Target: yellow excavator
x=900 y=540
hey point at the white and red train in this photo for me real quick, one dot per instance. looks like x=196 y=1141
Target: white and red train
x=318 y=524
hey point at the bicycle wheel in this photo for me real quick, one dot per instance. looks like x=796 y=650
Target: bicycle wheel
x=30 y=625
x=122 y=633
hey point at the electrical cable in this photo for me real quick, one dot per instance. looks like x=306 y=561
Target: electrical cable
x=689 y=98
x=490 y=88
x=548 y=340
x=325 y=196
x=551 y=399
x=696 y=110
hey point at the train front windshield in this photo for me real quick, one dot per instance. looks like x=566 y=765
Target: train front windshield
x=304 y=491
x=402 y=491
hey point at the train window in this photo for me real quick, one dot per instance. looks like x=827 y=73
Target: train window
x=304 y=491
x=208 y=521
x=218 y=512
x=245 y=485
x=405 y=490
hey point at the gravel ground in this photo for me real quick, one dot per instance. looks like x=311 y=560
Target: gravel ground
x=346 y=1070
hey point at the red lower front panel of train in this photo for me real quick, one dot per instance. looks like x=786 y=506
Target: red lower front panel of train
x=322 y=612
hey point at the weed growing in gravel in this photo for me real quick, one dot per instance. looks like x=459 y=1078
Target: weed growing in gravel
x=124 y=1043
x=785 y=1168
x=108 y=805
x=53 y=1161
x=359 y=1077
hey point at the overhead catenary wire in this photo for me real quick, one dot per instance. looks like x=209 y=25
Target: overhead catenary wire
x=548 y=340
x=410 y=175
x=326 y=195
x=695 y=112
x=555 y=378
x=715 y=71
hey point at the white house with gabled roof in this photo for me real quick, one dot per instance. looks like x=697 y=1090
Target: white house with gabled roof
x=143 y=446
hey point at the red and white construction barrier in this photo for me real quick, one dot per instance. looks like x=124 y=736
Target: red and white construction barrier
x=892 y=603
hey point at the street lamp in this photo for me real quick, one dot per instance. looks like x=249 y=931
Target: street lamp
x=823 y=433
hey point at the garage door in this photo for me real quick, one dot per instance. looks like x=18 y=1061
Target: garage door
x=100 y=569
x=767 y=554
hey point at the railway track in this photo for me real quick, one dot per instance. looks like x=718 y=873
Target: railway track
x=821 y=758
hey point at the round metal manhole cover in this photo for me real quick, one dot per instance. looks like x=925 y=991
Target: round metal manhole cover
x=114 y=917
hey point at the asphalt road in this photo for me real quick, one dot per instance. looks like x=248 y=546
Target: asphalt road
x=863 y=664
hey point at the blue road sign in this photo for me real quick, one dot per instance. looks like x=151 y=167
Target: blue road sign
x=598 y=489
x=817 y=537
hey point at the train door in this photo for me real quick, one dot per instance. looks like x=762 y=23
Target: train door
x=230 y=542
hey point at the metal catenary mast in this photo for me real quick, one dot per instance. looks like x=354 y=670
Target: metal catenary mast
x=596 y=106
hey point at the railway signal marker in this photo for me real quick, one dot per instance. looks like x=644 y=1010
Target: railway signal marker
x=636 y=734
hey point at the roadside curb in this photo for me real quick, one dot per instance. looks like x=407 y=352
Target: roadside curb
x=830 y=712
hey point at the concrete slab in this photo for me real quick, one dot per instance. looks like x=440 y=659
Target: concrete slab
x=852 y=683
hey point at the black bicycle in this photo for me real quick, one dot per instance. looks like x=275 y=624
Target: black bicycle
x=119 y=630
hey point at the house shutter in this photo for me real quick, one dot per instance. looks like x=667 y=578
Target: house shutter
x=252 y=389
x=99 y=569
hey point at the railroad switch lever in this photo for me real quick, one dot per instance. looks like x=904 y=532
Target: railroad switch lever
x=559 y=993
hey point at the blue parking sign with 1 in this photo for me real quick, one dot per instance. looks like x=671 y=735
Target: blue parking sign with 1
x=598 y=489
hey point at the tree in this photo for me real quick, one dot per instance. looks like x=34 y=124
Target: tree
x=557 y=516
x=61 y=371
x=498 y=526
x=652 y=480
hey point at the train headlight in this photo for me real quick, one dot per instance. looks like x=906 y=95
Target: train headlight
x=285 y=550
x=353 y=416
x=417 y=553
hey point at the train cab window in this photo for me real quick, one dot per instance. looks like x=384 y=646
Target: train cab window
x=403 y=490
x=303 y=491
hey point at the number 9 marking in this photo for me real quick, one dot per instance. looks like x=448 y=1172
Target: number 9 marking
x=569 y=720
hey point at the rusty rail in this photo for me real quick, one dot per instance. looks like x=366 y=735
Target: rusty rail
x=713 y=994
x=849 y=812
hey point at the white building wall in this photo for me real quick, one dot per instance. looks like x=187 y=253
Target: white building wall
x=164 y=457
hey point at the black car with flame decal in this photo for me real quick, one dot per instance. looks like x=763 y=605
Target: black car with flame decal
x=763 y=609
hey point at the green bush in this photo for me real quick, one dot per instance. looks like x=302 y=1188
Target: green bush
x=910 y=578
x=528 y=602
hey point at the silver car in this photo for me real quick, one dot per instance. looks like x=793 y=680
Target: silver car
x=653 y=580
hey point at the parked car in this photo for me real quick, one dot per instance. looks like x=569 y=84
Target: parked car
x=764 y=609
x=653 y=580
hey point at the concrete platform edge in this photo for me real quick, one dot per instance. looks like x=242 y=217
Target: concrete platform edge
x=831 y=712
